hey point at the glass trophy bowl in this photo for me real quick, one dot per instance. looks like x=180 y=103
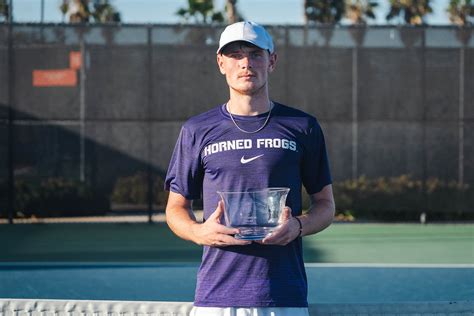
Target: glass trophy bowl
x=256 y=213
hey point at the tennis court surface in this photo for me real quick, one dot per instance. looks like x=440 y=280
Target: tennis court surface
x=328 y=283
x=104 y=269
x=343 y=289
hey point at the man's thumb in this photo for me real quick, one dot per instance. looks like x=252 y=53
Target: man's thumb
x=218 y=212
x=285 y=214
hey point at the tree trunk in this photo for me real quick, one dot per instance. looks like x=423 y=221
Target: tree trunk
x=231 y=11
x=305 y=12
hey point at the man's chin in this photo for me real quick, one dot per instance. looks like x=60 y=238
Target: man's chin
x=249 y=90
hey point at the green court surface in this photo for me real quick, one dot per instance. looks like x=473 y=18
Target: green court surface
x=142 y=242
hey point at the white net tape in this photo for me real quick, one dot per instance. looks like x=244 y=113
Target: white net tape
x=30 y=307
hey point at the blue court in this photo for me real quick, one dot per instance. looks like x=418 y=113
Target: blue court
x=342 y=284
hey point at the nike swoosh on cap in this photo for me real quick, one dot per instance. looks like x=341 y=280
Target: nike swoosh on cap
x=244 y=161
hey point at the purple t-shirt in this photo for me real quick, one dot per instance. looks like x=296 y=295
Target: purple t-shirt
x=212 y=155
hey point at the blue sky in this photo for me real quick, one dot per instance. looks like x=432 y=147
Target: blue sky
x=163 y=11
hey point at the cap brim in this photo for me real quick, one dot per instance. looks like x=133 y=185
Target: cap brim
x=241 y=40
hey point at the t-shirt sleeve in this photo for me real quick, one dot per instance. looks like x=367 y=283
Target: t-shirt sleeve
x=315 y=166
x=185 y=173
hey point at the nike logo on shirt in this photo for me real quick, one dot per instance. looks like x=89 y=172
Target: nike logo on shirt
x=244 y=161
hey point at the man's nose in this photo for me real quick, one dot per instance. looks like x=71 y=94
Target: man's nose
x=246 y=61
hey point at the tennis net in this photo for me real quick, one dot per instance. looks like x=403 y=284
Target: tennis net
x=31 y=307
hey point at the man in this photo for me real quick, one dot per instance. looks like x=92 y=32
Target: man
x=248 y=143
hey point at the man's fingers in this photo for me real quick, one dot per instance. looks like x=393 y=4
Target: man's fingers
x=273 y=238
x=216 y=215
x=227 y=230
x=229 y=240
x=226 y=240
x=280 y=236
x=285 y=214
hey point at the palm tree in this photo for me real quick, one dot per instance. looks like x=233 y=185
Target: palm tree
x=63 y=8
x=461 y=12
x=4 y=10
x=202 y=11
x=79 y=11
x=413 y=11
x=358 y=11
x=233 y=15
x=105 y=12
x=324 y=11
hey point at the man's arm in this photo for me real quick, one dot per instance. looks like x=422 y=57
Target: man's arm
x=181 y=220
x=321 y=212
x=319 y=216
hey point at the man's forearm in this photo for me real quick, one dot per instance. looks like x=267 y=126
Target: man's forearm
x=319 y=216
x=180 y=220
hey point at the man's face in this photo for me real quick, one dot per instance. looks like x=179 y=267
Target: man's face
x=246 y=67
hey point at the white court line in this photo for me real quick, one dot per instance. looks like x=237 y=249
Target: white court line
x=196 y=264
x=391 y=265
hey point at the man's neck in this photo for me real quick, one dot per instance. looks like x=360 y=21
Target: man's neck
x=248 y=105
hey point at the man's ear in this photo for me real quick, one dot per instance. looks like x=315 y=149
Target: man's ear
x=273 y=61
x=220 y=63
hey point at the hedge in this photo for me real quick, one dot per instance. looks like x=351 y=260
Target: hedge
x=403 y=198
x=56 y=197
x=399 y=198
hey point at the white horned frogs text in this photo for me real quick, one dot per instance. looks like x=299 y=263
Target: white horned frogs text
x=238 y=144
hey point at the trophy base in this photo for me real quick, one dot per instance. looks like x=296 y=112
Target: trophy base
x=254 y=232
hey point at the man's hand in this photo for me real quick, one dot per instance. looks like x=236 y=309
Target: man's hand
x=289 y=229
x=213 y=233
x=318 y=217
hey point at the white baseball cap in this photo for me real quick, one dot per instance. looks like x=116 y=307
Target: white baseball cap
x=248 y=32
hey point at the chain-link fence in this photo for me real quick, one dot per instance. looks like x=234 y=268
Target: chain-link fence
x=89 y=114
